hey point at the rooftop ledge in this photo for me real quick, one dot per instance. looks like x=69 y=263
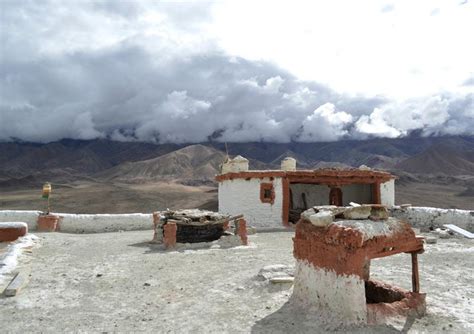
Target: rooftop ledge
x=318 y=175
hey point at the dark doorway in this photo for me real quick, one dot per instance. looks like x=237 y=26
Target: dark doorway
x=335 y=196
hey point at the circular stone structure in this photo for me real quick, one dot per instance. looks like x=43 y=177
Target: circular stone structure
x=10 y=231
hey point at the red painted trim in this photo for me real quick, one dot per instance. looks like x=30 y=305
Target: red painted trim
x=324 y=176
x=285 y=215
x=249 y=175
x=267 y=186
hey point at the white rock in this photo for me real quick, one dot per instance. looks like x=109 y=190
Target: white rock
x=306 y=214
x=276 y=270
x=431 y=240
x=251 y=230
x=358 y=212
x=335 y=210
x=322 y=218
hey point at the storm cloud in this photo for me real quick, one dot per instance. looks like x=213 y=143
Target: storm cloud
x=102 y=70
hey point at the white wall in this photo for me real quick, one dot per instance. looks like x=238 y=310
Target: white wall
x=426 y=218
x=316 y=194
x=338 y=300
x=387 y=193
x=240 y=196
x=72 y=223
x=358 y=193
x=28 y=217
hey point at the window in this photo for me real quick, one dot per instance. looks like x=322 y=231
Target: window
x=267 y=193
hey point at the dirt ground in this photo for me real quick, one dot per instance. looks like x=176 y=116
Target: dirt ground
x=96 y=197
x=118 y=282
x=444 y=196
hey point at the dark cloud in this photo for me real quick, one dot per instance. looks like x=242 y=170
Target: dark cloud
x=64 y=75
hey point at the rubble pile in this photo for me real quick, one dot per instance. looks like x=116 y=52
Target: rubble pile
x=195 y=226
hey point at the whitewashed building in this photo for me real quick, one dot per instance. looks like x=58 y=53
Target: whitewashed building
x=275 y=198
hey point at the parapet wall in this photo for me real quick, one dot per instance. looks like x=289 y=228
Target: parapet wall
x=28 y=217
x=85 y=223
x=419 y=217
x=426 y=218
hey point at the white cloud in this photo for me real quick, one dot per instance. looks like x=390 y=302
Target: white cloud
x=325 y=124
x=187 y=72
x=399 y=50
x=375 y=124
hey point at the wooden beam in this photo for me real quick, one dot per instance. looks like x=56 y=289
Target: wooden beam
x=18 y=282
x=412 y=246
x=415 y=280
x=285 y=214
x=376 y=198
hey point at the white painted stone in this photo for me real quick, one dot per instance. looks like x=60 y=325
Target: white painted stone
x=240 y=196
x=337 y=300
x=235 y=165
x=288 y=164
x=322 y=218
x=387 y=193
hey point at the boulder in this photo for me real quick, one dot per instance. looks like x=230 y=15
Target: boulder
x=335 y=210
x=322 y=218
x=306 y=214
x=358 y=212
x=379 y=212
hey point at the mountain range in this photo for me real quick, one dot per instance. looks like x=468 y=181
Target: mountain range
x=139 y=162
x=103 y=176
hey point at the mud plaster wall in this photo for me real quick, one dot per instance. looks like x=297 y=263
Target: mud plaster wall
x=338 y=299
x=358 y=193
x=241 y=196
x=315 y=194
x=387 y=193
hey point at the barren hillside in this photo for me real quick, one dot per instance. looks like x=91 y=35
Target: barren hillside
x=194 y=162
x=440 y=159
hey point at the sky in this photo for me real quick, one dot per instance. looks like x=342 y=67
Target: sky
x=235 y=71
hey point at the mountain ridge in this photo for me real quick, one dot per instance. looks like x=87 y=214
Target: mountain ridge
x=104 y=158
